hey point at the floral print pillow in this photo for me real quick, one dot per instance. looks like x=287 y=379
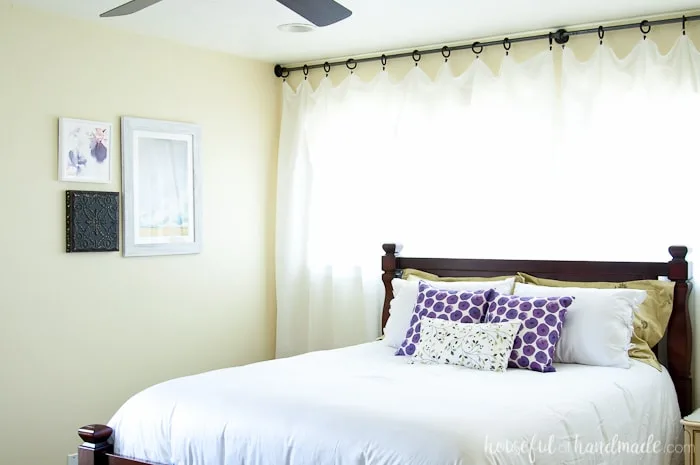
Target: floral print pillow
x=479 y=346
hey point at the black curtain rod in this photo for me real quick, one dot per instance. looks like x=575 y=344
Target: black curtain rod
x=561 y=37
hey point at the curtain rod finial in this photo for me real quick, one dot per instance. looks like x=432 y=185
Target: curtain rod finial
x=278 y=70
x=561 y=36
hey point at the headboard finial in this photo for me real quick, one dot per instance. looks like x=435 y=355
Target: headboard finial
x=678 y=252
x=392 y=249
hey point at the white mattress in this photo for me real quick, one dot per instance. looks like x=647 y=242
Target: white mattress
x=362 y=405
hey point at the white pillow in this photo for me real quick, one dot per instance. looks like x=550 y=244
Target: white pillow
x=479 y=346
x=405 y=296
x=598 y=326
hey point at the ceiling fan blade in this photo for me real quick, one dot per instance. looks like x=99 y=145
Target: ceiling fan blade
x=319 y=12
x=129 y=8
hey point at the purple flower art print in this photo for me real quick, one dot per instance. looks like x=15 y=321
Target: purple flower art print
x=84 y=151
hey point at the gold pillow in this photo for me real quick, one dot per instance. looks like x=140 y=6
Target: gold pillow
x=641 y=351
x=418 y=274
x=649 y=323
x=451 y=279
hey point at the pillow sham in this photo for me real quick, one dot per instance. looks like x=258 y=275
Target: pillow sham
x=598 y=327
x=542 y=320
x=650 y=322
x=406 y=292
x=453 y=305
x=412 y=274
x=479 y=346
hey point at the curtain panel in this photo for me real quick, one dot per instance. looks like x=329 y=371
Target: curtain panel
x=580 y=160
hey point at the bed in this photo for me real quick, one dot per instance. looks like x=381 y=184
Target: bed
x=363 y=405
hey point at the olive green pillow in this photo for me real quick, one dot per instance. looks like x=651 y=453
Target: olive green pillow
x=450 y=279
x=649 y=323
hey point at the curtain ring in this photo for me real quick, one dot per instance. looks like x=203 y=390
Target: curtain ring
x=383 y=60
x=445 y=52
x=474 y=46
x=601 y=34
x=416 y=56
x=551 y=39
x=306 y=71
x=684 y=24
x=327 y=68
x=349 y=62
x=285 y=73
x=506 y=44
x=644 y=24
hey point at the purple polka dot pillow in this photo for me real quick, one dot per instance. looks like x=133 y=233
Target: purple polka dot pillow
x=450 y=305
x=541 y=321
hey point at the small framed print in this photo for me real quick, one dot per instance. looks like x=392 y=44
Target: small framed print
x=84 y=151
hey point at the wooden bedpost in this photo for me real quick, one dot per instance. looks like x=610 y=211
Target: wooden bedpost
x=389 y=269
x=679 y=334
x=96 y=446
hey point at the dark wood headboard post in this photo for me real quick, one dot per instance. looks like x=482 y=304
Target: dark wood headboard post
x=96 y=446
x=389 y=269
x=679 y=332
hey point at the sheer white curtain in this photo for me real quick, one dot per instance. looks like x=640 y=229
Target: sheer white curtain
x=520 y=164
x=629 y=135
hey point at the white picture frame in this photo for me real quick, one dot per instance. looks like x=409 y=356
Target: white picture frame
x=162 y=187
x=84 y=151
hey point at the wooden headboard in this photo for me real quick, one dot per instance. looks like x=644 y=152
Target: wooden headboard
x=678 y=334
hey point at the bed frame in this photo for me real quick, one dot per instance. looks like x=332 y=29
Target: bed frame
x=96 y=450
x=678 y=339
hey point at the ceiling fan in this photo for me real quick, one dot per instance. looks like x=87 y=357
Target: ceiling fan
x=319 y=12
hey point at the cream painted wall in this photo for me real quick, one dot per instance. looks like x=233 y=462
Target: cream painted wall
x=80 y=333
x=622 y=43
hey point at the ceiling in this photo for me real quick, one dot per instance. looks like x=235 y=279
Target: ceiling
x=249 y=27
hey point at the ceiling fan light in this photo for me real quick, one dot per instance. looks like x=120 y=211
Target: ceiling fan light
x=296 y=27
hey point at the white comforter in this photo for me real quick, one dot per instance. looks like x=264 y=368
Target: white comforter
x=362 y=405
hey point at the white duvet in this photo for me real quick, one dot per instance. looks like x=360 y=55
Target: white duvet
x=363 y=405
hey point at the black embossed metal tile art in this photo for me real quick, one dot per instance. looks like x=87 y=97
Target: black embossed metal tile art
x=92 y=221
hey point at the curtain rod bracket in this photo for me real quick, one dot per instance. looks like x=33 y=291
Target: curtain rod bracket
x=561 y=36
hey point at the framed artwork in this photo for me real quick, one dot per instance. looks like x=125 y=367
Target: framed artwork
x=92 y=221
x=161 y=184
x=84 y=151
